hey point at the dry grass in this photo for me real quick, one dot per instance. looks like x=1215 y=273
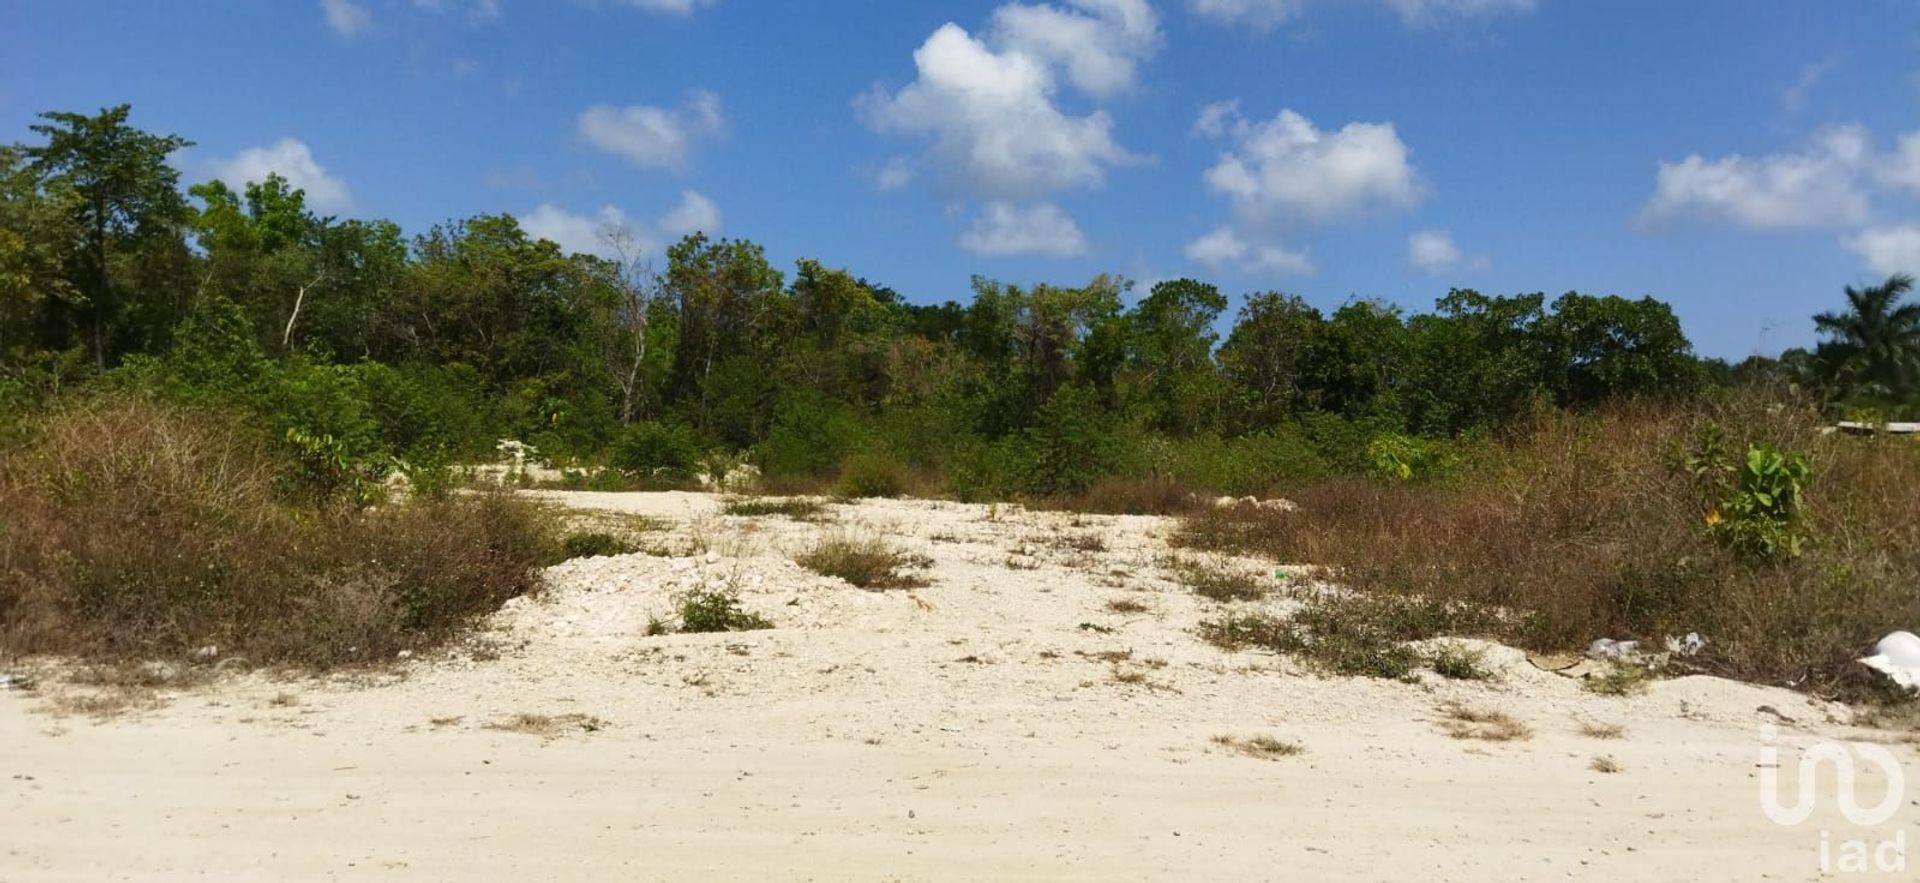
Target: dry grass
x=1604 y=764
x=1468 y=722
x=1263 y=747
x=1128 y=496
x=549 y=726
x=136 y=530
x=1583 y=525
x=864 y=561
x=1596 y=730
x=1128 y=606
x=1218 y=580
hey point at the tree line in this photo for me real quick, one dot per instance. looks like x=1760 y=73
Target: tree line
x=431 y=347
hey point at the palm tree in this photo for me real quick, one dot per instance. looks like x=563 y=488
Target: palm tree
x=1873 y=347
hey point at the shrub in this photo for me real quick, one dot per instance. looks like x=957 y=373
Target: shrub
x=141 y=529
x=704 y=611
x=872 y=475
x=595 y=545
x=864 y=561
x=796 y=508
x=1582 y=528
x=670 y=450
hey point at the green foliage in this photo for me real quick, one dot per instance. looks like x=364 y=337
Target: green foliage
x=1398 y=457
x=872 y=475
x=595 y=544
x=1760 y=515
x=671 y=450
x=704 y=611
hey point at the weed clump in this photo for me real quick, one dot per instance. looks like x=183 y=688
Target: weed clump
x=1468 y=722
x=1263 y=747
x=796 y=508
x=864 y=561
x=1217 y=581
x=708 y=611
x=595 y=545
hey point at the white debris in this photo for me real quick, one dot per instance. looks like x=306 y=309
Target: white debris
x=1898 y=657
x=1690 y=645
x=1608 y=648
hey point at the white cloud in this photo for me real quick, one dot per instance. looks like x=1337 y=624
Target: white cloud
x=1267 y=14
x=670 y=7
x=1888 y=250
x=896 y=174
x=1422 y=13
x=1820 y=186
x=346 y=18
x=654 y=137
x=1794 y=97
x=589 y=234
x=1286 y=170
x=1224 y=249
x=993 y=122
x=1260 y=14
x=479 y=10
x=1902 y=167
x=290 y=159
x=1002 y=229
x=1099 y=43
x=1434 y=252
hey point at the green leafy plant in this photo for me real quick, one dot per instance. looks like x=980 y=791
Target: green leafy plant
x=1759 y=503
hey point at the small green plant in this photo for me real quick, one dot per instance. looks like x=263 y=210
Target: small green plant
x=1621 y=679
x=595 y=545
x=1460 y=663
x=1755 y=508
x=704 y=611
x=796 y=508
x=1216 y=582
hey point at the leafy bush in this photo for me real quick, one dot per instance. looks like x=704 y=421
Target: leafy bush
x=1757 y=508
x=872 y=475
x=645 y=449
x=706 y=611
x=595 y=545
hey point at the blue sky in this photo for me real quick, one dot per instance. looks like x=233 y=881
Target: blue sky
x=1740 y=160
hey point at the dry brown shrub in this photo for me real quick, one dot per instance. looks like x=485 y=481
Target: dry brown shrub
x=136 y=529
x=1583 y=527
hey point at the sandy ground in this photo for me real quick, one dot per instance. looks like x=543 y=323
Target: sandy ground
x=965 y=730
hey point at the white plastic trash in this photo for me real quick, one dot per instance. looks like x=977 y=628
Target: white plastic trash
x=1898 y=657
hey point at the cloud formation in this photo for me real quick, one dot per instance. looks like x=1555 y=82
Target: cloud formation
x=1002 y=229
x=1822 y=185
x=988 y=106
x=1434 y=253
x=1888 y=250
x=1269 y=14
x=346 y=18
x=654 y=137
x=1224 y=249
x=595 y=234
x=1286 y=170
x=290 y=159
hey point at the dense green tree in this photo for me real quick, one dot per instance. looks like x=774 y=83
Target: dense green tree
x=1267 y=358
x=1602 y=347
x=1172 y=349
x=125 y=202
